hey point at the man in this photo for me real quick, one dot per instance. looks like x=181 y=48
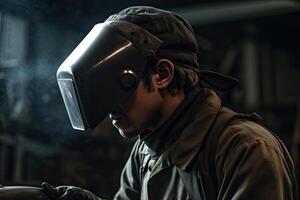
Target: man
x=189 y=145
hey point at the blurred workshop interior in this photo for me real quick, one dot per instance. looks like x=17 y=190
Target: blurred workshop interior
x=254 y=41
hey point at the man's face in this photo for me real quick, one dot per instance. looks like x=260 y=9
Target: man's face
x=142 y=111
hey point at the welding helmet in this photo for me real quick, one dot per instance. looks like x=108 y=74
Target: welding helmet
x=104 y=70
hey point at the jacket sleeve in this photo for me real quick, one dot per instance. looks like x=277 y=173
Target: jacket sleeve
x=130 y=185
x=252 y=166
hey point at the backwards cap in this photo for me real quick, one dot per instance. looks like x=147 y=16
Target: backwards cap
x=179 y=43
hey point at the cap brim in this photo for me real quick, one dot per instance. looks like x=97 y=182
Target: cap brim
x=217 y=81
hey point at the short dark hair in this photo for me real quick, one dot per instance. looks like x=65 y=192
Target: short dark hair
x=184 y=79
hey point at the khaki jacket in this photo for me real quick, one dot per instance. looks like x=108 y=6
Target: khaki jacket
x=218 y=155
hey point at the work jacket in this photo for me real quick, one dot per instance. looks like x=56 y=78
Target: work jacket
x=208 y=152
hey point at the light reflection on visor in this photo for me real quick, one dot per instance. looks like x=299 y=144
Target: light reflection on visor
x=67 y=90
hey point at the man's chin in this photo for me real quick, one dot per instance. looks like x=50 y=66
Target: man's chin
x=128 y=133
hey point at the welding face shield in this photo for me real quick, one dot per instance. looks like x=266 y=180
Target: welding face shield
x=104 y=70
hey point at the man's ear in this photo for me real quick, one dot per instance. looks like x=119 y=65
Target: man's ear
x=163 y=73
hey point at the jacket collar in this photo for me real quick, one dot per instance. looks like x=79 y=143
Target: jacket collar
x=188 y=127
x=164 y=137
x=192 y=138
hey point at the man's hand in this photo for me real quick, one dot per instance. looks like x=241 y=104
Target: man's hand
x=67 y=193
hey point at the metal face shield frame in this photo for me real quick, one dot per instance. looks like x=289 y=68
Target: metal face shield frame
x=69 y=96
x=103 y=71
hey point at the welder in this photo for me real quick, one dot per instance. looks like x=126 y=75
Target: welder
x=140 y=68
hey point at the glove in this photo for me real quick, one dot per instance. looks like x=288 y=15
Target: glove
x=67 y=193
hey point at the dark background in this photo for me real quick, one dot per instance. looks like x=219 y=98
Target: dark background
x=255 y=41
